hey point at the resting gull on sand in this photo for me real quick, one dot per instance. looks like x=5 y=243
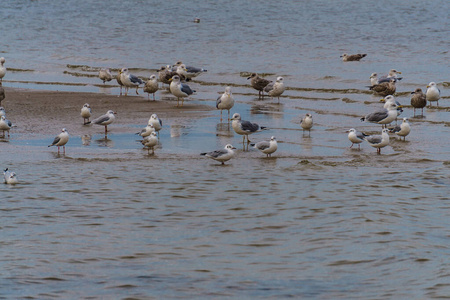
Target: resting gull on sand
x=129 y=80
x=151 y=86
x=179 y=89
x=86 y=113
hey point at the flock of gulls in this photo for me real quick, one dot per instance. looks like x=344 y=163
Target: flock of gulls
x=177 y=76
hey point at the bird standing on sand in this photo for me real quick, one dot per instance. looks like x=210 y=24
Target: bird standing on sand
x=267 y=147
x=307 y=123
x=10 y=177
x=352 y=57
x=221 y=155
x=105 y=75
x=244 y=128
x=379 y=141
x=86 y=113
x=433 y=93
x=275 y=89
x=403 y=129
x=150 y=142
x=356 y=137
x=61 y=140
x=5 y=125
x=382 y=116
x=418 y=100
x=179 y=89
x=129 y=80
x=151 y=87
x=2 y=93
x=2 y=68
x=258 y=83
x=225 y=101
x=105 y=120
x=384 y=88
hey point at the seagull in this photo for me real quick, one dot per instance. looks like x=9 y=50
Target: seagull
x=150 y=142
x=119 y=81
x=166 y=73
x=275 y=89
x=382 y=116
x=258 y=83
x=2 y=111
x=373 y=79
x=221 y=155
x=129 y=80
x=105 y=75
x=10 y=177
x=418 y=100
x=379 y=141
x=433 y=93
x=2 y=68
x=307 y=123
x=61 y=140
x=267 y=147
x=147 y=130
x=244 y=128
x=155 y=122
x=2 y=93
x=390 y=99
x=5 y=125
x=356 y=137
x=403 y=129
x=105 y=119
x=151 y=86
x=179 y=89
x=86 y=113
x=190 y=71
x=393 y=73
x=353 y=57
x=225 y=101
x=384 y=88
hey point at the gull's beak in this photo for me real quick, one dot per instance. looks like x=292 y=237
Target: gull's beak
x=399 y=72
x=233 y=147
x=428 y=86
x=400 y=106
x=382 y=100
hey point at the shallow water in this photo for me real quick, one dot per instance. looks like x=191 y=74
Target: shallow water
x=317 y=220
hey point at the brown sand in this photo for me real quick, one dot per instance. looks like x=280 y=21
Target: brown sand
x=47 y=112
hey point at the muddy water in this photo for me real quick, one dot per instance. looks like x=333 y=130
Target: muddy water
x=317 y=220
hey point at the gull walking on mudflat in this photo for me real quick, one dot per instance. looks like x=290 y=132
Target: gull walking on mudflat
x=150 y=142
x=433 y=93
x=105 y=119
x=129 y=80
x=353 y=57
x=105 y=75
x=151 y=87
x=244 y=128
x=267 y=147
x=86 y=113
x=307 y=123
x=61 y=140
x=379 y=141
x=383 y=116
x=2 y=68
x=225 y=101
x=356 y=137
x=275 y=89
x=403 y=129
x=5 y=125
x=418 y=100
x=179 y=89
x=258 y=83
x=10 y=177
x=221 y=155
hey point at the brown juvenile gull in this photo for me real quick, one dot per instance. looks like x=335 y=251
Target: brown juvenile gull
x=275 y=89
x=352 y=57
x=258 y=83
x=105 y=75
x=418 y=100
x=433 y=93
x=384 y=88
x=151 y=87
x=189 y=71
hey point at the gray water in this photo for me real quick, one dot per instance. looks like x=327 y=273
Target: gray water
x=317 y=220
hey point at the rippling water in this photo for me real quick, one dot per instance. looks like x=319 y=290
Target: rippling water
x=318 y=220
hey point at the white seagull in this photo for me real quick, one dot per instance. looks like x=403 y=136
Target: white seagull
x=267 y=147
x=221 y=155
x=373 y=79
x=155 y=122
x=403 y=129
x=244 y=128
x=5 y=125
x=379 y=141
x=105 y=75
x=147 y=130
x=225 y=101
x=275 y=89
x=383 y=116
x=390 y=99
x=61 y=140
x=150 y=142
x=179 y=89
x=86 y=113
x=307 y=123
x=2 y=68
x=433 y=93
x=356 y=137
x=129 y=80
x=10 y=177
x=105 y=119
x=151 y=87
x=189 y=71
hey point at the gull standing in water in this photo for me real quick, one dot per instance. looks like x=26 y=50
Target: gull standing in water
x=86 y=113
x=105 y=75
x=61 y=140
x=5 y=125
x=383 y=116
x=353 y=57
x=244 y=128
x=2 y=68
x=105 y=120
x=418 y=100
x=221 y=155
x=179 y=89
x=258 y=83
x=307 y=123
x=390 y=99
x=393 y=74
x=151 y=87
x=267 y=147
x=403 y=129
x=129 y=80
x=147 y=130
x=155 y=122
x=225 y=101
x=356 y=137
x=150 y=142
x=433 y=93
x=379 y=141
x=384 y=88
x=275 y=89
x=10 y=177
